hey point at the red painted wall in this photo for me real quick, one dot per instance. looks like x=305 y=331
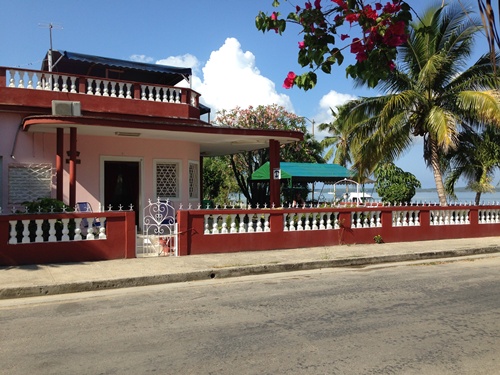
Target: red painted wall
x=192 y=239
x=120 y=242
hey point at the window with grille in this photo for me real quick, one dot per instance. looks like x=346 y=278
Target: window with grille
x=167 y=179
x=28 y=182
x=194 y=178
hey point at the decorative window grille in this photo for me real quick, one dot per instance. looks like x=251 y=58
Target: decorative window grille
x=194 y=183
x=167 y=179
x=28 y=182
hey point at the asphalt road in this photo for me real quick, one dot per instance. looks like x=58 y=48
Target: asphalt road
x=418 y=318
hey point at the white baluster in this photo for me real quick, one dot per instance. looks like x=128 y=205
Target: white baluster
x=39 y=79
x=65 y=230
x=26 y=232
x=20 y=84
x=102 y=229
x=113 y=89
x=55 y=77
x=97 y=87
x=329 y=220
x=105 y=88
x=65 y=80
x=129 y=91
x=121 y=90
x=157 y=94
x=30 y=80
x=178 y=96
x=73 y=85
x=13 y=232
x=233 y=224
x=39 y=230
x=242 y=226
x=215 y=228
x=90 y=233
x=48 y=83
x=266 y=223
x=52 y=230
x=90 y=82
x=12 y=80
x=250 y=229
x=207 y=225
x=151 y=94
x=78 y=231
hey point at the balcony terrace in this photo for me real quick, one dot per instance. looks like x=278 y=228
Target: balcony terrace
x=33 y=91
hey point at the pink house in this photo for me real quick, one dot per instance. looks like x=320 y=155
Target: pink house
x=117 y=134
x=112 y=133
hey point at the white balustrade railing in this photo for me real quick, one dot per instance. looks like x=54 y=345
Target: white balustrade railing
x=489 y=216
x=93 y=86
x=459 y=216
x=53 y=230
x=161 y=94
x=305 y=221
x=366 y=219
x=22 y=79
x=410 y=218
x=236 y=223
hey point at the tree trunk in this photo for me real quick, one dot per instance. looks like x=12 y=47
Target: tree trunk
x=478 y=198
x=438 y=176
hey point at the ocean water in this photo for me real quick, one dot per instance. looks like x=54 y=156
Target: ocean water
x=429 y=196
x=426 y=196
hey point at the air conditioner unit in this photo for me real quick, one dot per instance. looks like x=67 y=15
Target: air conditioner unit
x=66 y=108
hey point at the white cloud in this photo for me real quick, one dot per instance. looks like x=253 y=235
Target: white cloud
x=184 y=61
x=141 y=58
x=332 y=100
x=230 y=78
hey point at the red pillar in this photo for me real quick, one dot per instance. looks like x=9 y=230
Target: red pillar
x=72 y=167
x=60 y=164
x=274 y=163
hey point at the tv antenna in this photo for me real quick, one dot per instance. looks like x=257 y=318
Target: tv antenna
x=50 y=26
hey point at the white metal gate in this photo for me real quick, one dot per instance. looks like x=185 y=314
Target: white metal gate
x=159 y=229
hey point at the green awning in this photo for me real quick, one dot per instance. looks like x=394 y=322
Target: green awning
x=306 y=172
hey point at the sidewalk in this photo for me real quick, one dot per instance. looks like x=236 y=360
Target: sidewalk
x=37 y=280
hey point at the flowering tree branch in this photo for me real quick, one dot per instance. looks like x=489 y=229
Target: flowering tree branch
x=381 y=29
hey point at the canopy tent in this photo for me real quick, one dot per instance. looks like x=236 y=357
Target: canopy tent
x=305 y=172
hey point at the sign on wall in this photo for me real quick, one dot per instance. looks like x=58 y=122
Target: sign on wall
x=276 y=174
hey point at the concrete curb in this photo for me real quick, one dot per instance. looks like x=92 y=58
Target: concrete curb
x=87 y=286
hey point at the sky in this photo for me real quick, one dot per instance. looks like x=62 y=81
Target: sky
x=233 y=63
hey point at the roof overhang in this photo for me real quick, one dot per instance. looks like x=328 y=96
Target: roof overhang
x=213 y=140
x=97 y=66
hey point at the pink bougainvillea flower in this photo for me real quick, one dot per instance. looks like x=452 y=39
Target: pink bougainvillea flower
x=344 y=36
x=341 y=3
x=370 y=13
x=361 y=56
x=274 y=16
x=352 y=17
x=357 y=46
x=308 y=5
x=317 y=4
x=289 y=80
x=297 y=9
x=378 y=6
x=392 y=8
x=302 y=44
x=391 y=65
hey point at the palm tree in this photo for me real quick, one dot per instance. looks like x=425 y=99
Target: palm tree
x=431 y=94
x=476 y=158
x=338 y=142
